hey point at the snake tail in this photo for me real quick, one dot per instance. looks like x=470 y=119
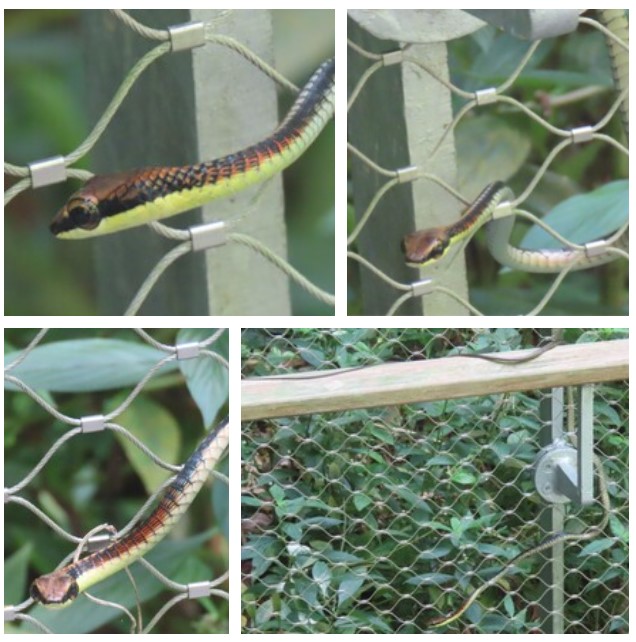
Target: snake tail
x=110 y=203
x=61 y=587
x=546 y=544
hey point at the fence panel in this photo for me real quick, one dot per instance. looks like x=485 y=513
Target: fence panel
x=386 y=518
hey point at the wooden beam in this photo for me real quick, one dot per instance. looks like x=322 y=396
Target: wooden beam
x=446 y=378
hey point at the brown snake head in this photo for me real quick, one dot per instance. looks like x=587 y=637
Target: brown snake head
x=80 y=211
x=55 y=589
x=99 y=197
x=423 y=246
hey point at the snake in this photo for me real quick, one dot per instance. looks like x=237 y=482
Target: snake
x=59 y=588
x=492 y=358
x=113 y=202
x=426 y=247
x=547 y=543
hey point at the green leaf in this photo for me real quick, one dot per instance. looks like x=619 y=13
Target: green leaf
x=322 y=575
x=293 y=531
x=16 y=571
x=277 y=493
x=619 y=529
x=464 y=478
x=206 y=378
x=382 y=434
x=86 y=365
x=485 y=142
x=361 y=501
x=349 y=586
x=264 y=612
x=156 y=428
x=597 y=546
x=584 y=217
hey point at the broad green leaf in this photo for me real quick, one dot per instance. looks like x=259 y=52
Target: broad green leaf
x=156 y=428
x=86 y=365
x=322 y=576
x=206 y=378
x=350 y=586
x=584 y=217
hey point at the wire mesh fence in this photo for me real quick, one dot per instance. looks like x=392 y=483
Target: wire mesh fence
x=543 y=116
x=154 y=279
x=91 y=421
x=388 y=518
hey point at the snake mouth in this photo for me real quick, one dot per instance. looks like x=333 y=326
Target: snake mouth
x=61 y=222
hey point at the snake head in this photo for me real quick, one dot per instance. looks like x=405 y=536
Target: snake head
x=81 y=212
x=55 y=590
x=424 y=246
x=99 y=198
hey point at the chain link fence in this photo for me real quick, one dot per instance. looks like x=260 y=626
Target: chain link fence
x=431 y=108
x=235 y=228
x=380 y=518
x=90 y=421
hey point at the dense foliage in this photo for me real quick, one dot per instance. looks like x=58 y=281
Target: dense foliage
x=378 y=520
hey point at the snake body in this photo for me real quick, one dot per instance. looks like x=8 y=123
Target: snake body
x=61 y=587
x=114 y=202
x=492 y=358
x=425 y=247
x=546 y=544
x=616 y=22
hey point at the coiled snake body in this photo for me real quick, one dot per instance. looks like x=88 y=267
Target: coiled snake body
x=425 y=247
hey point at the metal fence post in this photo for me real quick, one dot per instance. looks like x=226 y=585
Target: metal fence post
x=189 y=106
x=397 y=121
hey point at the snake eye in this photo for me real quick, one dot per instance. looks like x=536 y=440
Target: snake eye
x=437 y=249
x=83 y=213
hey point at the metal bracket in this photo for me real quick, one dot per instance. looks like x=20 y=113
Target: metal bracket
x=555 y=473
x=187 y=36
x=208 y=235
x=48 y=171
x=565 y=467
x=564 y=473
